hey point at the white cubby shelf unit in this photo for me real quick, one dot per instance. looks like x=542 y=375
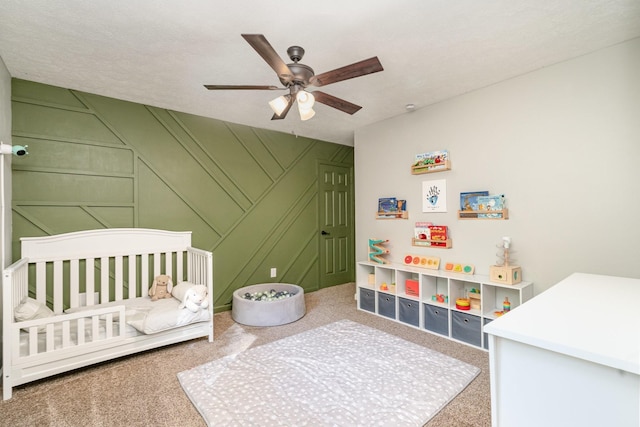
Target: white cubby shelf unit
x=422 y=312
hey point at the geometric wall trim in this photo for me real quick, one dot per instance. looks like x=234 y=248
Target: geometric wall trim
x=248 y=195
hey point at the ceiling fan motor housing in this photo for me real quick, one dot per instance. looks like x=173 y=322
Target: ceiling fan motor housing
x=301 y=75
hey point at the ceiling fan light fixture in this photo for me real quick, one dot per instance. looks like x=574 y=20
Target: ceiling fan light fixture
x=279 y=104
x=306 y=114
x=305 y=100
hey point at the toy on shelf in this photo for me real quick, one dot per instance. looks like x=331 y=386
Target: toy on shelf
x=463 y=304
x=441 y=298
x=430 y=262
x=459 y=268
x=506 y=305
x=388 y=288
x=503 y=272
x=376 y=251
x=412 y=287
x=474 y=298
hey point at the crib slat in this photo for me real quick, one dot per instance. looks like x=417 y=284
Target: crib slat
x=132 y=276
x=41 y=281
x=89 y=277
x=119 y=274
x=58 y=287
x=74 y=283
x=168 y=264
x=179 y=267
x=104 y=279
x=156 y=264
x=144 y=276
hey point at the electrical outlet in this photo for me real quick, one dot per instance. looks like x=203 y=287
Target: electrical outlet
x=274 y=272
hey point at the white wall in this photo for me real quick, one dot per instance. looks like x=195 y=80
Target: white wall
x=562 y=143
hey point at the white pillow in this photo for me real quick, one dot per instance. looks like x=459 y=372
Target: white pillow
x=30 y=309
x=180 y=290
x=164 y=315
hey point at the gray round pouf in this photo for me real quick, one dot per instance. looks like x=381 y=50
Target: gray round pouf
x=268 y=313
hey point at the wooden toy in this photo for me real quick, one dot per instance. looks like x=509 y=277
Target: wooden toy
x=376 y=251
x=474 y=299
x=463 y=304
x=503 y=272
x=459 y=268
x=432 y=263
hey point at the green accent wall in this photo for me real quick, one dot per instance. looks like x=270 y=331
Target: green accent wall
x=249 y=195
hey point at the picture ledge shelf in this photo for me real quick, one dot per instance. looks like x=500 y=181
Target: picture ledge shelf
x=503 y=214
x=426 y=243
x=431 y=168
x=392 y=215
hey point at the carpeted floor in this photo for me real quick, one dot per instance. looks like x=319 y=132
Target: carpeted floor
x=143 y=390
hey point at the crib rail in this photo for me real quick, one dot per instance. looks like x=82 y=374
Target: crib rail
x=75 y=333
x=70 y=283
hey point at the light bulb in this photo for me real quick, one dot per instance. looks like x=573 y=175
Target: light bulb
x=306 y=114
x=305 y=100
x=279 y=104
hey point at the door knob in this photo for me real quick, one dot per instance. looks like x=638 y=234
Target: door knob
x=324 y=233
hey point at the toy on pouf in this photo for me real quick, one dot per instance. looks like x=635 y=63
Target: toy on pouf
x=161 y=287
x=192 y=297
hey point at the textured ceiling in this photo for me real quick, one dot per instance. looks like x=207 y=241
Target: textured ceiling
x=161 y=52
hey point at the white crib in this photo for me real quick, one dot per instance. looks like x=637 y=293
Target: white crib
x=87 y=278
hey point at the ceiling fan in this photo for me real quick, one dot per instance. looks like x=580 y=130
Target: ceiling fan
x=297 y=76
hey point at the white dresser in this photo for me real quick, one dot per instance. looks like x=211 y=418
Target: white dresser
x=569 y=357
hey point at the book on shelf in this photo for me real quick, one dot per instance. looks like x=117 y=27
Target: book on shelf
x=390 y=207
x=422 y=231
x=438 y=235
x=387 y=205
x=469 y=200
x=432 y=159
x=491 y=203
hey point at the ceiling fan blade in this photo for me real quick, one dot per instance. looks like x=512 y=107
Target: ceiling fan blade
x=242 y=87
x=368 y=66
x=285 y=111
x=266 y=51
x=337 y=103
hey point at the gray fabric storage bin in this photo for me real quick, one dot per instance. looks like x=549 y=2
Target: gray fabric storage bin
x=409 y=311
x=486 y=335
x=466 y=327
x=436 y=319
x=387 y=305
x=367 y=300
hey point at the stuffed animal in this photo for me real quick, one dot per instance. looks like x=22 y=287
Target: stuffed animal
x=161 y=287
x=195 y=298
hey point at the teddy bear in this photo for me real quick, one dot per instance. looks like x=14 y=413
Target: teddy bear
x=161 y=287
x=192 y=297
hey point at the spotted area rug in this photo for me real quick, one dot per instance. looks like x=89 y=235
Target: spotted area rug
x=341 y=374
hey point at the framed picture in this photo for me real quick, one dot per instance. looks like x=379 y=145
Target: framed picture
x=434 y=196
